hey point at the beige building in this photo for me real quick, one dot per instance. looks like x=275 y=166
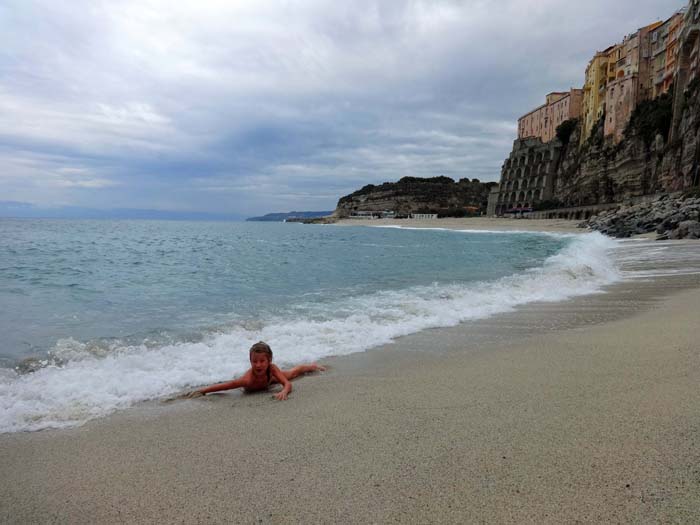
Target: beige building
x=542 y=122
x=620 y=101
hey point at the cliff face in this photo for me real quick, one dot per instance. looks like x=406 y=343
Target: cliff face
x=600 y=173
x=678 y=167
x=414 y=195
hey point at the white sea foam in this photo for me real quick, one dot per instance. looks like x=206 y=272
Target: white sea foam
x=645 y=259
x=480 y=231
x=89 y=383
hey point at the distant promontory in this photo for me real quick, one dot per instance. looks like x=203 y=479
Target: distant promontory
x=281 y=217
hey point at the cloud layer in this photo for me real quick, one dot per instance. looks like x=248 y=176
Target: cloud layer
x=250 y=107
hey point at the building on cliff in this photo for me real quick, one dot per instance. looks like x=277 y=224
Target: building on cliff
x=659 y=38
x=621 y=151
x=633 y=80
x=542 y=122
x=675 y=26
x=623 y=75
x=594 y=91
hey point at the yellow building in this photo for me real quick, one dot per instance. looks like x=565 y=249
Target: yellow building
x=594 y=91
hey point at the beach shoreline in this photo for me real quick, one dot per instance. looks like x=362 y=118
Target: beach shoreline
x=581 y=410
x=475 y=223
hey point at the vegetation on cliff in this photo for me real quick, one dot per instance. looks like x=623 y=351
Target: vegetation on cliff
x=651 y=118
x=565 y=129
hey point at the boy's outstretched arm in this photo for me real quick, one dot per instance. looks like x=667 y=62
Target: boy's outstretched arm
x=229 y=385
x=282 y=379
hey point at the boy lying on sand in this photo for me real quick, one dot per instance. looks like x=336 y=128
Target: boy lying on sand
x=262 y=374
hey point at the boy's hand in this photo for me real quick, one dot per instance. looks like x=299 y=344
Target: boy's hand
x=193 y=394
x=281 y=396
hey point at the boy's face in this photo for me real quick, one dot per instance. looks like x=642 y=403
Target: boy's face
x=259 y=363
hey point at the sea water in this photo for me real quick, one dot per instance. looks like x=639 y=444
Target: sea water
x=99 y=315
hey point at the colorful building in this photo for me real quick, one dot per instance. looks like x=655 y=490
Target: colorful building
x=633 y=79
x=664 y=52
x=542 y=122
x=659 y=37
x=594 y=92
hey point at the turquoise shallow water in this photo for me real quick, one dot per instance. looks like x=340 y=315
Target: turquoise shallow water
x=117 y=312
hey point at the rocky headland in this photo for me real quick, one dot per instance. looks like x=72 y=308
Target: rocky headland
x=441 y=195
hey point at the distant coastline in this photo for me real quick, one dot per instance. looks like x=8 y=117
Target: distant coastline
x=281 y=217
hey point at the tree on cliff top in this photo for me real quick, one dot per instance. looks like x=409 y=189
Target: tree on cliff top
x=432 y=180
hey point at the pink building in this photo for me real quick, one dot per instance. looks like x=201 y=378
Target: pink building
x=542 y=122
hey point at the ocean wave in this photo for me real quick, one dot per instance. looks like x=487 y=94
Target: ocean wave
x=83 y=381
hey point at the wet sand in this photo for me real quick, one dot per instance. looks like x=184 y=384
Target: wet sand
x=580 y=411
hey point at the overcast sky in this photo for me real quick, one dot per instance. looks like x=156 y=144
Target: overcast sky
x=238 y=106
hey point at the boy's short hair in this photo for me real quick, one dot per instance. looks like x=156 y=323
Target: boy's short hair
x=261 y=348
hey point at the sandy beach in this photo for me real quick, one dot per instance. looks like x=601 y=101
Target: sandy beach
x=584 y=411
x=474 y=223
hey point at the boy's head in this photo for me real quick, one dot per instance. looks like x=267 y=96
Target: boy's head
x=260 y=357
x=261 y=348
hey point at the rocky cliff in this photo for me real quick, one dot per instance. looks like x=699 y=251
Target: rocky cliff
x=441 y=195
x=670 y=218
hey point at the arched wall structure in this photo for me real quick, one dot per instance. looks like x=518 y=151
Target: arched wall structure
x=527 y=176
